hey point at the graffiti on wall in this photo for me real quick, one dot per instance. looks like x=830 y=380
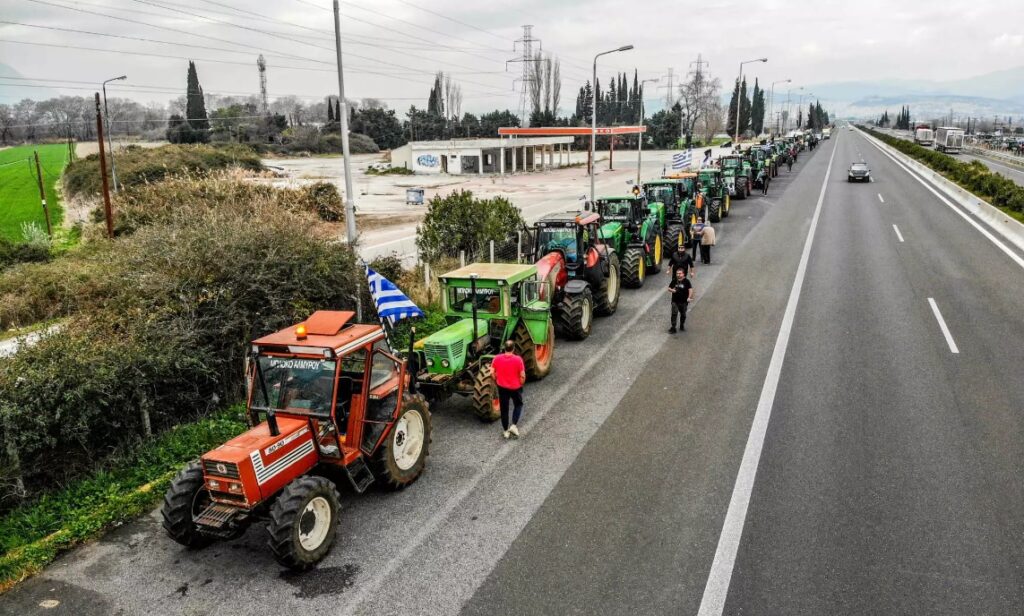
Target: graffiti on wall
x=427 y=160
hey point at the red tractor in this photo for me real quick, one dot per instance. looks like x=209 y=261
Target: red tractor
x=336 y=403
x=582 y=270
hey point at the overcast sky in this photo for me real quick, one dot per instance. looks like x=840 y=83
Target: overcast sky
x=392 y=47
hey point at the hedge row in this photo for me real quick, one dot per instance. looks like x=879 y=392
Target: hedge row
x=972 y=176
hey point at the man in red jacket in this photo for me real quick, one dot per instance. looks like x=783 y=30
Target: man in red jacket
x=510 y=374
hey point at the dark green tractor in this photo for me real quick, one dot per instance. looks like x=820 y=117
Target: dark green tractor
x=633 y=229
x=716 y=195
x=486 y=304
x=676 y=193
x=735 y=176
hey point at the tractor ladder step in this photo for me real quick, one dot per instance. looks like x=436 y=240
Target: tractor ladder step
x=359 y=475
x=216 y=515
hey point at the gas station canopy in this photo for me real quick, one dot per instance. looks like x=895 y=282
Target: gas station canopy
x=581 y=131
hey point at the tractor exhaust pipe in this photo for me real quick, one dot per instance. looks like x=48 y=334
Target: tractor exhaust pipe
x=411 y=361
x=472 y=291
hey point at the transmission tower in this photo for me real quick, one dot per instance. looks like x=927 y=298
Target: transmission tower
x=262 y=64
x=526 y=46
x=670 y=93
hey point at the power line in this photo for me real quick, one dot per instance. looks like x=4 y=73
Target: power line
x=452 y=19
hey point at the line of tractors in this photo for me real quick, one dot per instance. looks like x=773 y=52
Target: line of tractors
x=331 y=402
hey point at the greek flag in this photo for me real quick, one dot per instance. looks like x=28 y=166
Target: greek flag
x=391 y=303
x=682 y=160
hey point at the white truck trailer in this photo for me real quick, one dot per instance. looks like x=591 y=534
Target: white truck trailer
x=949 y=139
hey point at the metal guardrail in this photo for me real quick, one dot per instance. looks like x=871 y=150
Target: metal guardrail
x=1002 y=157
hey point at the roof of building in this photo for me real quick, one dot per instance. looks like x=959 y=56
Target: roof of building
x=571 y=130
x=487 y=143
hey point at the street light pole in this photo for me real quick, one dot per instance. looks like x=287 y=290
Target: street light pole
x=771 y=103
x=593 y=114
x=350 y=205
x=640 y=135
x=110 y=143
x=739 y=101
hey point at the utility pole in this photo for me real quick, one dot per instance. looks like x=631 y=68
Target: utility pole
x=42 y=194
x=669 y=92
x=528 y=61
x=110 y=143
x=350 y=205
x=107 y=210
x=593 y=119
x=640 y=135
x=740 y=96
x=261 y=65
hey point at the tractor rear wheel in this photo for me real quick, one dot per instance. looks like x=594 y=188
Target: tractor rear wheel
x=303 y=522
x=536 y=357
x=634 y=268
x=402 y=457
x=485 y=395
x=726 y=206
x=657 y=252
x=675 y=235
x=741 y=189
x=715 y=211
x=186 y=498
x=576 y=315
x=607 y=299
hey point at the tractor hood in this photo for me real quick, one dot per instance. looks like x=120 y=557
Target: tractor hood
x=551 y=262
x=444 y=351
x=611 y=230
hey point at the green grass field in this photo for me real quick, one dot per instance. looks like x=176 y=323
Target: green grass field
x=19 y=193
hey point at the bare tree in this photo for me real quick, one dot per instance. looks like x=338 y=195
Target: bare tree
x=452 y=98
x=698 y=97
x=373 y=103
x=556 y=87
x=6 y=122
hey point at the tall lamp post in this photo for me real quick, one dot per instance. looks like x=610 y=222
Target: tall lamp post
x=771 y=104
x=739 y=102
x=593 y=115
x=106 y=116
x=800 y=103
x=785 y=124
x=640 y=136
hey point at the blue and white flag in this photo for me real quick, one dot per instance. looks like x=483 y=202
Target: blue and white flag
x=682 y=160
x=391 y=303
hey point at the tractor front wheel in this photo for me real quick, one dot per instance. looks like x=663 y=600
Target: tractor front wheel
x=657 y=253
x=576 y=315
x=485 y=395
x=607 y=299
x=675 y=236
x=303 y=522
x=403 y=455
x=536 y=357
x=634 y=268
x=186 y=498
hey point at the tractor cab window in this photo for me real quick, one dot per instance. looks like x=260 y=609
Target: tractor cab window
x=617 y=209
x=559 y=238
x=662 y=194
x=689 y=185
x=382 y=368
x=293 y=384
x=533 y=291
x=488 y=301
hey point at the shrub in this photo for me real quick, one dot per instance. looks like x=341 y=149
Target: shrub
x=458 y=222
x=141 y=165
x=12 y=253
x=324 y=199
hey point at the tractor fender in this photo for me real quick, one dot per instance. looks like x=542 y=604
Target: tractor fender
x=576 y=286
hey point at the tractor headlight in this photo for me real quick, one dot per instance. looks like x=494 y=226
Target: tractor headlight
x=235 y=487
x=430 y=363
x=445 y=363
x=213 y=484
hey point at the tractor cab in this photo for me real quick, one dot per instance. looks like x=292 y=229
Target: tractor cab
x=328 y=400
x=714 y=195
x=573 y=234
x=633 y=228
x=629 y=210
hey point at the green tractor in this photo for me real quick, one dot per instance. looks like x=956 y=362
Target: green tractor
x=676 y=192
x=486 y=304
x=735 y=176
x=633 y=229
x=716 y=195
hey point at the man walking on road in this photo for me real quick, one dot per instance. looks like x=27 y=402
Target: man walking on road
x=764 y=177
x=510 y=374
x=695 y=232
x=707 y=240
x=681 y=260
x=682 y=293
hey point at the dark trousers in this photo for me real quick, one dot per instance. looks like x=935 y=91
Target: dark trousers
x=705 y=254
x=678 y=310
x=693 y=245
x=764 y=186
x=516 y=397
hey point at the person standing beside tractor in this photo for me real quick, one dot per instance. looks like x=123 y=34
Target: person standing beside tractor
x=707 y=240
x=696 y=230
x=682 y=294
x=764 y=177
x=509 y=374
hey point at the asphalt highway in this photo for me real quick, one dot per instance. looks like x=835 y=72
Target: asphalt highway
x=837 y=432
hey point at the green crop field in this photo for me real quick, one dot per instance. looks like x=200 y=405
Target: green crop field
x=19 y=192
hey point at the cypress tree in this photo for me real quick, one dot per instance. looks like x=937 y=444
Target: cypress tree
x=330 y=111
x=731 y=120
x=744 y=107
x=195 y=105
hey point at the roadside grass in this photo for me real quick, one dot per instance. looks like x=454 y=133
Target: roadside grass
x=32 y=535
x=19 y=191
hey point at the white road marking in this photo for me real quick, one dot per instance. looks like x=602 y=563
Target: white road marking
x=1001 y=246
x=942 y=326
x=880 y=198
x=717 y=587
x=898 y=234
x=871 y=179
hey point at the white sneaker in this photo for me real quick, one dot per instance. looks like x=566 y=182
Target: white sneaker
x=514 y=430
x=507 y=433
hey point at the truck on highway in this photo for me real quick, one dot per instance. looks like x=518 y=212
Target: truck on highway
x=949 y=139
x=923 y=134
x=826 y=133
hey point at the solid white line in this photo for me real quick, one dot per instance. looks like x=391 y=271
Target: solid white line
x=880 y=198
x=717 y=588
x=898 y=234
x=942 y=326
x=1016 y=258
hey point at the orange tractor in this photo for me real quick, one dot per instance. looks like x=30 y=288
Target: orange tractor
x=336 y=404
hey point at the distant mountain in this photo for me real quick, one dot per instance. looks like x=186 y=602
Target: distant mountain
x=10 y=93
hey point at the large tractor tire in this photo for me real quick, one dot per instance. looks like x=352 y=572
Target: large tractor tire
x=726 y=206
x=536 y=357
x=402 y=457
x=741 y=189
x=186 y=498
x=674 y=235
x=606 y=301
x=486 y=405
x=657 y=253
x=634 y=268
x=714 y=211
x=304 y=521
x=576 y=315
